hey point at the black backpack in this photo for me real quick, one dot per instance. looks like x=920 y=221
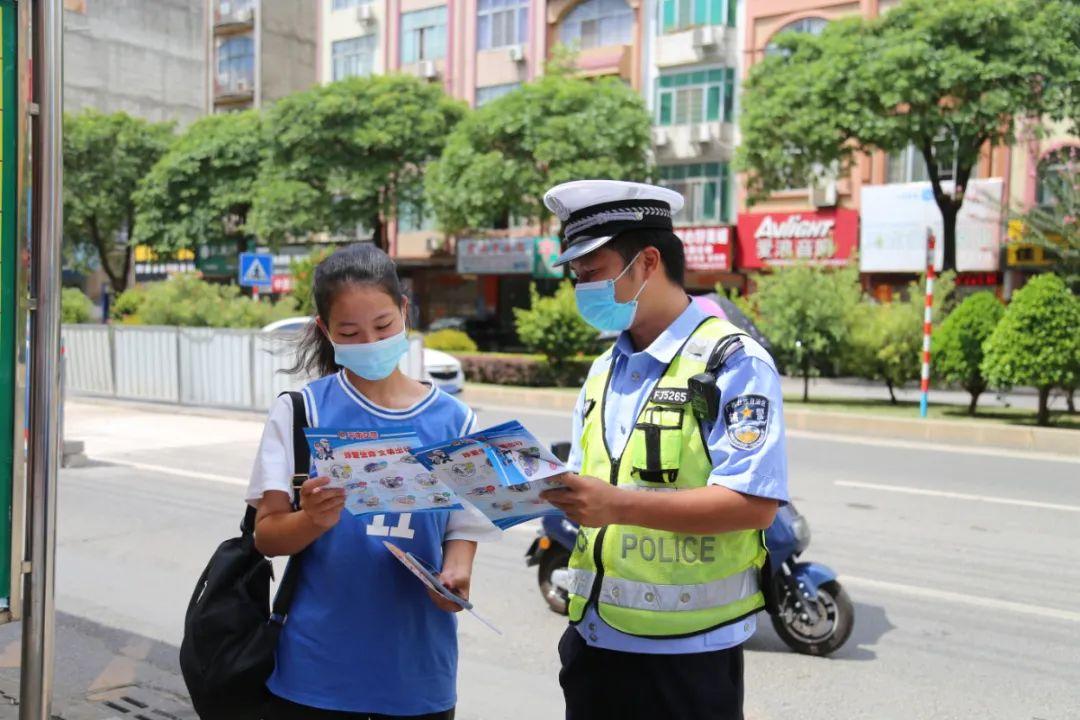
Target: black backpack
x=227 y=653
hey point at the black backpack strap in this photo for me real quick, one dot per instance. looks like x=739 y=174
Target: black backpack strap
x=302 y=463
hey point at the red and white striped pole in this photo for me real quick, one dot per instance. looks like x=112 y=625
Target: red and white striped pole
x=927 y=323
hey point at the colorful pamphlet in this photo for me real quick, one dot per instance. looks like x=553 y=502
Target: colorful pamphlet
x=429 y=576
x=501 y=471
x=378 y=471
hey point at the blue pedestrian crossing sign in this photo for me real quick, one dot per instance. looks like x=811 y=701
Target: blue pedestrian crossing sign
x=256 y=269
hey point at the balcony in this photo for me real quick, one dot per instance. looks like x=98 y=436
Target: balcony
x=233 y=15
x=705 y=43
x=712 y=140
x=234 y=88
x=607 y=60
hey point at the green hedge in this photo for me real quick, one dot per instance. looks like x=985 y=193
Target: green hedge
x=523 y=370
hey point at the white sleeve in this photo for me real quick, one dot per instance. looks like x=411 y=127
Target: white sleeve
x=274 y=462
x=470 y=524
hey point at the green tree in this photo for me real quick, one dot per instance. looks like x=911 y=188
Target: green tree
x=75 y=307
x=958 y=343
x=803 y=312
x=303 y=275
x=200 y=192
x=553 y=327
x=502 y=158
x=350 y=153
x=105 y=159
x=885 y=340
x=1055 y=226
x=1036 y=343
x=946 y=76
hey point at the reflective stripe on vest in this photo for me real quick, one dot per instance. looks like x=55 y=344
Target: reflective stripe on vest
x=668 y=598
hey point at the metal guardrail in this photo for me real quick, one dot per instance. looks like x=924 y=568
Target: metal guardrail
x=214 y=367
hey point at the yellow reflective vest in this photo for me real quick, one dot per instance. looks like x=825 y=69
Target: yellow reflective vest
x=656 y=583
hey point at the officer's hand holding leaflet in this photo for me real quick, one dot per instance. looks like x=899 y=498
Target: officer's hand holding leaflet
x=710 y=510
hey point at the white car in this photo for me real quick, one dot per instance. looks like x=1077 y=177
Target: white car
x=439 y=368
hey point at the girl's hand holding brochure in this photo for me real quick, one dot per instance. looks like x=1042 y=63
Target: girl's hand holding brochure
x=322 y=504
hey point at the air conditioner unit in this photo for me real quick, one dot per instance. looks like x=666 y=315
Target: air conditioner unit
x=242 y=86
x=517 y=53
x=365 y=13
x=706 y=37
x=823 y=192
x=701 y=134
x=660 y=137
x=247 y=15
x=427 y=70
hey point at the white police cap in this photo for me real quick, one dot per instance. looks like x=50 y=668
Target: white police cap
x=595 y=211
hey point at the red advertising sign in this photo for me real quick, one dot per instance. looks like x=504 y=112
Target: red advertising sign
x=823 y=237
x=281 y=283
x=707 y=248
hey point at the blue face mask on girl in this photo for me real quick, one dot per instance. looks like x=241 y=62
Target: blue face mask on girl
x=373 y=360
x=597 y=304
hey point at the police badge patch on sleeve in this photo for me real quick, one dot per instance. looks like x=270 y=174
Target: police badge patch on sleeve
x=747 y=418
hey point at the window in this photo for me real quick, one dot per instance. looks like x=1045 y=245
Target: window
x=355 y=56
x=597 y=23
x=485 y=95
x=423 y=35
x=501 y=23
x=414 y=217
x=236 y=64
x=1055 y=169
x=346 y=4
x=236 y=11
x=694 y=97
x=810 y=26
x=908 y=164
x=679 y=15
x=706 y=189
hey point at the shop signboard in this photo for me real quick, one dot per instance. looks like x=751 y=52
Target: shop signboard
x=895 y=218
x=496 y=256
x=708 y=249
x=821 y=237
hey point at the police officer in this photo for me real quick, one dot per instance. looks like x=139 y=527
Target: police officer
x=678 y=465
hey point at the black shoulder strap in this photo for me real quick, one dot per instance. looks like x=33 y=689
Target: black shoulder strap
x=302 y=461
x=723 y=350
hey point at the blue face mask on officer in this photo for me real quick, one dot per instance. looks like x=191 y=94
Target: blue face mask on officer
x=597 y=304
x=372 y=360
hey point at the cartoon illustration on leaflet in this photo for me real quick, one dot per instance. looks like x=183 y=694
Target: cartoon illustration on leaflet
x=323 y=451
x=482 y=490
x=405 y=500
x=375 y=466
x=426 y=480
x=464 y=470
x=341 y=473
x=392 y=483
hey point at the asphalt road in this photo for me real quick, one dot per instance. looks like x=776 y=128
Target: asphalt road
x=961 y=563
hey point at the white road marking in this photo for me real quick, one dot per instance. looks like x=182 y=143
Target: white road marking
x=961 y=598
x=174 y=471
x=937 y=447
x=957 y=496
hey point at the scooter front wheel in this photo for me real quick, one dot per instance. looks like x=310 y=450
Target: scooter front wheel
x=555 y=559
x=835 y=621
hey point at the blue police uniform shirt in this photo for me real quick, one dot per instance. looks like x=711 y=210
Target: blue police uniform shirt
x=362 y=635
x=748 y=382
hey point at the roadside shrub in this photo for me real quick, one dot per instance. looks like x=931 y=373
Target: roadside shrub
x=188 y=301
x=75 y=307
x=553 y=327
x=303 y=273
x=523 y=370
x=1036 y=343
x=958 y=343
x=449 y=340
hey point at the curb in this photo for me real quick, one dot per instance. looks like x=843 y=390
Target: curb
x=1054 y=441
